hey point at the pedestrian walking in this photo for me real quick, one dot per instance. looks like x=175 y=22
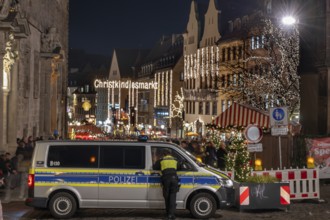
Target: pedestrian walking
x=221 y=155
x=170 y=181
x=211 y=154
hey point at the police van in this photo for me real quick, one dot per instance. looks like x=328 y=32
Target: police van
x=67 y=175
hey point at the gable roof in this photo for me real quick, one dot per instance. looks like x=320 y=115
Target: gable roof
x=127 y=59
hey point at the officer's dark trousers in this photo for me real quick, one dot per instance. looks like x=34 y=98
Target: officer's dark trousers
x=170 y=188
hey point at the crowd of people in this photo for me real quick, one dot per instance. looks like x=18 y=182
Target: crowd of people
x=14 y=168
x=206 y=151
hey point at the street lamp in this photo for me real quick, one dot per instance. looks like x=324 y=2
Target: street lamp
x=288 y=20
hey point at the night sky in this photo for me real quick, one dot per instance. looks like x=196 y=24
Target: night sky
x=99 y=26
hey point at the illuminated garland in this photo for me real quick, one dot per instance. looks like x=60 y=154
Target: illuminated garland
x=238 y=157
x=166 y=88
x=155 y=93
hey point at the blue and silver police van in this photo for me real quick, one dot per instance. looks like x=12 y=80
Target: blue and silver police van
x=70 y=175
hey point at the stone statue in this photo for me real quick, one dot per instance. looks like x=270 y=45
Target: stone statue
x=9 y=59
x=6 y=6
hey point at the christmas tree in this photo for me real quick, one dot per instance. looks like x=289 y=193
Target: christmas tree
x=238 y=158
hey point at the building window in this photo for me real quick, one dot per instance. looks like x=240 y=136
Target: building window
x=223 y=81
x=228 y=54
x=234 y=53
x=114 y=72
x=207 y=108
x=240 y=79
x=215 y=108
x=240 y=52
x=223 y=105
x=200 y=108
x=223 y=58
x=229 y=103
x=191 y=107
x=234 y=79
x=181 y=76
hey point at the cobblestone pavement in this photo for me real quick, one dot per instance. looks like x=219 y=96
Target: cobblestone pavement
x=311 y=210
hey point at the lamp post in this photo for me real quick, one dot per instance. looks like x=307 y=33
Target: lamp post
x=289 y=20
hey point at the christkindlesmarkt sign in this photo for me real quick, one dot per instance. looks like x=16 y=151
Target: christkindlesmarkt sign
x=128 y=84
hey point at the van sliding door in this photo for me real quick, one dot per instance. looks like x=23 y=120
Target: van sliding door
x=122 y=176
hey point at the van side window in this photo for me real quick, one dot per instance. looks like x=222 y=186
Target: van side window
x=157 y=154
x=73 y=156
x=122 y=157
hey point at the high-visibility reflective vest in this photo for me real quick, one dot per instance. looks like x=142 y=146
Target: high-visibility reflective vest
x=168 y=162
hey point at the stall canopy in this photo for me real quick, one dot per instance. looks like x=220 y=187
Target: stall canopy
x=242 y=115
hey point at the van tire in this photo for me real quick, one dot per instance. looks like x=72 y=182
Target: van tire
x=203 y=206
x=62 y=205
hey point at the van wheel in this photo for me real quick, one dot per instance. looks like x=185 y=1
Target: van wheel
x=202 y=206
x=62 y=205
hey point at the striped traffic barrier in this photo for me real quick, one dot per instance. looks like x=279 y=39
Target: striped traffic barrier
x=304 y=183
x=244 y=194
x=285 y=195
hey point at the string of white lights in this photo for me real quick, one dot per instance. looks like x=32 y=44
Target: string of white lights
x=170 y=96
x=166 y=88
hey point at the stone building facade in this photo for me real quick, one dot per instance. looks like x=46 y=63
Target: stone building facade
x=315 y=67
x=33 y=50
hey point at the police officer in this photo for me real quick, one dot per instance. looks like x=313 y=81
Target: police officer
x=170 y=181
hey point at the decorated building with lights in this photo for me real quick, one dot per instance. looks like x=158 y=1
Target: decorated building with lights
x=142 y=85
x=34 y=47
x=164 y=66
x=241 y=55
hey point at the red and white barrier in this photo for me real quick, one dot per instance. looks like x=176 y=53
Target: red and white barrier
x=304 y=183
x=244 y=194
x=285 y=195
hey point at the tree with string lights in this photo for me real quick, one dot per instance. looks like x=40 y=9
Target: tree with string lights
x=238 y=158
x=266 y=74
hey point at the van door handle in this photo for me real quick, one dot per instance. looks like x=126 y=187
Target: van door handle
x=155 y=174
x=139 y=173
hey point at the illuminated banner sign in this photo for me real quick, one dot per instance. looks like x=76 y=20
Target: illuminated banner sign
x=124 y=84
